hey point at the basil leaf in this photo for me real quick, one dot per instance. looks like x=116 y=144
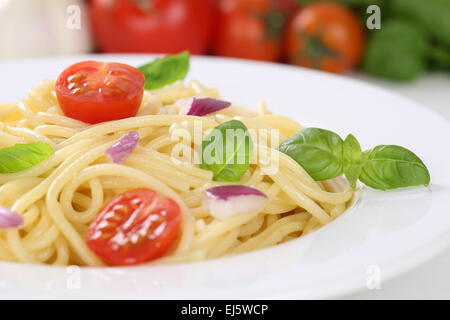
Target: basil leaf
x=318 y=151
x=431 y=16
x=403 y=61
x=389 y=167
x=227 y=151
x=353 y=159
x=169 y=69
x=23 y=156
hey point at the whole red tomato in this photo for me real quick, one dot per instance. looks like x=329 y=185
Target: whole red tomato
x=288 y=6
x=165 y=26
x=250 y=29
x=326 y=36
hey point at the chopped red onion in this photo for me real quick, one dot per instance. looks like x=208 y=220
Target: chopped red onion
x=201 y=106
x=122 y=149
x=226 y=201
x=184 y=104
x=9 y=219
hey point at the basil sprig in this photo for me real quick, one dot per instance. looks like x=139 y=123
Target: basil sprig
x=23 y=156
x=169 y=69
x=227 y=151
x=324 y=155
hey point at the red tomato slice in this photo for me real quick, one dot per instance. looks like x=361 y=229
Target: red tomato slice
x=94 y=92
x=135 y=227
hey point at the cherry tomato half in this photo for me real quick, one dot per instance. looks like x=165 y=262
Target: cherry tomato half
x=135 y=227
x=326 y=36
x=93 y=91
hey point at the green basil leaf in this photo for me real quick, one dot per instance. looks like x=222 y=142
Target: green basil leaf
x=353 y=159
x=397 y=51
x=169 y=69
x=23 y=156
x=227 y=151
x=318 y=151
x=389 y=167
x=431 y=16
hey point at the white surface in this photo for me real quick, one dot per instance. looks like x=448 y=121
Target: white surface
x=393 y=231
x=432 y=279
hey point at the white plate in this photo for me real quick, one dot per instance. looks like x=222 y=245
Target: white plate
x=383 y=235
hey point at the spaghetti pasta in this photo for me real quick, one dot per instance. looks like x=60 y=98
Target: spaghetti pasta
x=59 y=197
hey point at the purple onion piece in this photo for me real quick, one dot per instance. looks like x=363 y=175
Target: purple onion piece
x=184 y=104
x=226 y=201
x=201 y=106
x=225 y=192
x=123 y=148
x=9 y=219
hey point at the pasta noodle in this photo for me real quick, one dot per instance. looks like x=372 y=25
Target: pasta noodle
x=61 y=196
